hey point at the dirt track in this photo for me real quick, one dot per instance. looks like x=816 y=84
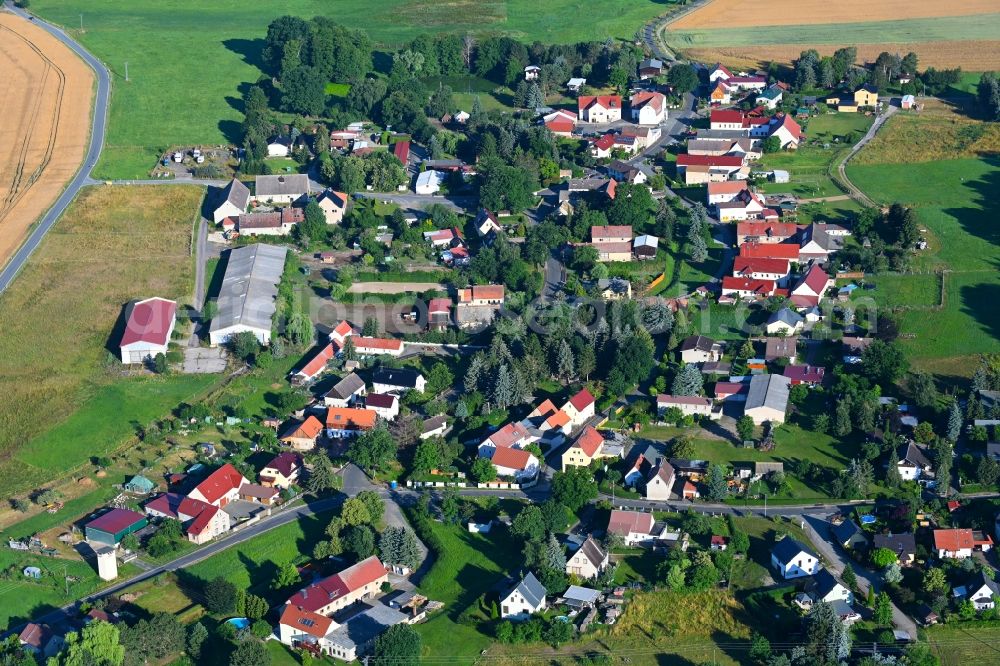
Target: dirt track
x=47 y=94
x=730 y=13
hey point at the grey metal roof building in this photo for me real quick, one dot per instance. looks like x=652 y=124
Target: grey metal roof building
x=248 y=293
x=768 y=398
x=532 y=590
x=290 y=186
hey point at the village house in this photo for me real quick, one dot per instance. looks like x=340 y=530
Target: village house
x=758 y=233
x=793 y=560
x=283 y=471
x=347 y=422
x=512 y=435
x=757 y=469
x=650 y=68
x=397 y=380
x=849 y=535
x=614 y=289
x=575 y=84
x=233 y=202
x=355 y=583
x=699 y=169
x=348 y=642
x=959 y=543
x=345 y=392
x=903 y=544
x=584 y=450
x=560 y=122
x=745 y=205
x=770 y=97
x=774 y=270
x=810 y=375
x=588 y=561
x=659 y=481
x=648 y=108
x=725 y=191
x=747 y=288
x=600 y=108
x=767 y=400
x=523 y=600
x=486 y=223
x=580 y=407
x=386 y=405
x=602 y=146
x=112 y=526
x=532 y=72
x=914 y=463
x=982 y=591
x=546 y=417
x=40 y=640
x=334 y=205
x=515 y=463
x=315 y=366
x=865 y=97
x=623 y=172
x=438 y=313
x=200 y=520
x=633 y=527
x=755 y=250
x=689 y=405
x=444 y=238
x=281 y=189
x=302 y=436
x=220 y=487
x=613 y=243
x=811 y=287
x=365 y=346
x=784 y=322
x=642 y=136
x=645 y=247
x=699 y=349
x=824 y=587
x=149 y=325
x=429 y=181
x=776 y=349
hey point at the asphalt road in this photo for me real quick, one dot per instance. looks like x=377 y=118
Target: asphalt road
x=82 y=177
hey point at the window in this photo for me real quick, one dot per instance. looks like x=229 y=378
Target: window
x=506 y=609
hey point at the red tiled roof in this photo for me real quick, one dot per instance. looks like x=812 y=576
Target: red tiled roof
x=351 y=579
x=560 y=125
x=318 y=362
x=805 y=373
x=730 y=388
x=482 y=292
x=727 y=187
x=149 y=321
x=605 y=142
x=202 y=520
x=401 y=150
x=686 y=159
x=816 y=279
x=343 y=329
x=308 y=429
x=380 y=400
x=793 y=127
x=623 y=522
x=607 y=101
x=953 y=540
x=725 y=116
x=788 y=251
x=439 y=305
x=220 y=482
x=768 y=229
x=350 y=418
x=582 y=400
x=305 y=621
x=508 y=435
x=36 y=635
x=720 y=67
x=619 y=232
x=589 y=441
x=654 y=99
x=511 y=458
x=386 y=344
x=743 y=265
x=762 y=287
x=115 y=520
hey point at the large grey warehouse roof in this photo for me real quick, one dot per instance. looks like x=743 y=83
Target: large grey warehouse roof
x=250 y=287
x=278 y=185
x=768 y=391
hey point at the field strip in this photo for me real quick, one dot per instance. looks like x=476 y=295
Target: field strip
x=720 y=13
x=950 y=28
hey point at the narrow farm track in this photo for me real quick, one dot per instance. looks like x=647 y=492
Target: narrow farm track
x=853 y=190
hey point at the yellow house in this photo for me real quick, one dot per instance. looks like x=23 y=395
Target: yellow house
x=583 y=451
x=866 y=96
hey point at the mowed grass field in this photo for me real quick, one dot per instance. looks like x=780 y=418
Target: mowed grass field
x=943 y=35
x=953 y=185
x=189 y=61
x=60 y=406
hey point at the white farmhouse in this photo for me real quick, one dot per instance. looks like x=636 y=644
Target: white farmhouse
x=524 y=599
x=793 y=560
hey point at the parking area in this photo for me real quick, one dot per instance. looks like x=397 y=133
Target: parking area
x=204 y=360
x=240 y=510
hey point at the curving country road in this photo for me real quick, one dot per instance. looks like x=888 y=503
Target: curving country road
x=82 y=177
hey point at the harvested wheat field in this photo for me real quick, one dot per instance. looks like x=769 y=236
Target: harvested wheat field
x=47 y=94
x=721 y=13
x=969 y=55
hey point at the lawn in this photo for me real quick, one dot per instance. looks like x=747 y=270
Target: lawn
x=63 y=314
x=955 y=200
x=828 y=138
x=724 y=322
x=903 y=290
x=943 y=28
x=467 y=567
x=190 y=61
x=956 y=645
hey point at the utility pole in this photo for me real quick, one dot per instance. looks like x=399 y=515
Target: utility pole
x=81 y=22
x=765 y=505
x=126 y=70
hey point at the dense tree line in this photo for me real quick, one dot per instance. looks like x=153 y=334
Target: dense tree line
x=988 y=93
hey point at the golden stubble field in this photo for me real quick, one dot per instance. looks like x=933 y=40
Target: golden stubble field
x=732 y=13
x=47 y=94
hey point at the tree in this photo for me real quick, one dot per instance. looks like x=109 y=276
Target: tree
x=153 y=639
x=254 y=607
x=683 y=78
x=160 y=364
x=373 y=450
x=893 y=574
x=244 y=345
x=745 y=428
x=771 y=144
x=942 y=465
x=303 y=91
x=892 y=476
x=286 y=576
x=883 y=610
x=760 y=648
x=883 y=362
x=574 y=487
x=934 y=581
x=850 y=578
x=130 y=542
x=322 y=477
x=682 y=447
x=196 y=636
x=954 y=421
x=555 y=557
x=97 y=644
x=399 y=644
x=739 y=541
x=398 y=545
x=883 y=557
x=427 y=456
x=529 y=523
x=220 y=596
x=555 y=516
x=827 y=639
x=987 y=471
x=716 y=485
x=360 y=540
x=250 y=652
x=483 y=471
x=699 y=251
x=374 y=504
x=688 y=381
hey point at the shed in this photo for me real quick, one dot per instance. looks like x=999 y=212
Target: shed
x=140 y=485
x=109 y=528
x=779 y=176
x=580 y=597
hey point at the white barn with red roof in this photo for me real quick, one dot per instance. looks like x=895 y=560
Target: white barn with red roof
x=810 y=289
x=220 y=487
x=148 y=327
x=201 y=521
x=360 y=581
x=648 y=108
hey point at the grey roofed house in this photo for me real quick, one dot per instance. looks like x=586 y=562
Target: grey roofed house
x=722 y=134
x=619 y=286
x=398 y=377
x=912 y=453
x=788 y=549
x=823 y=583
x=849 y=534
x=433 y=423
x=269 y=186
x=993 y=450
x=984 y=586
x=360 y=630
x=578 y=597
x=904 y=545
x=347 y=387
x=768 y=391
x=237 y=194
x=529 y=588
x=821 y=237
x=651 y=63
x=989 y=399
x=249 y=289
x=716 y=368
x=775 y=348
x=720 y=145
x=786 y=316
x=585 y=184
x=593 y=552
x=699 y=342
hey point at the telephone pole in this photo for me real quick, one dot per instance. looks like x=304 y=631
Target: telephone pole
x=81 y=22
x=126 y=70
